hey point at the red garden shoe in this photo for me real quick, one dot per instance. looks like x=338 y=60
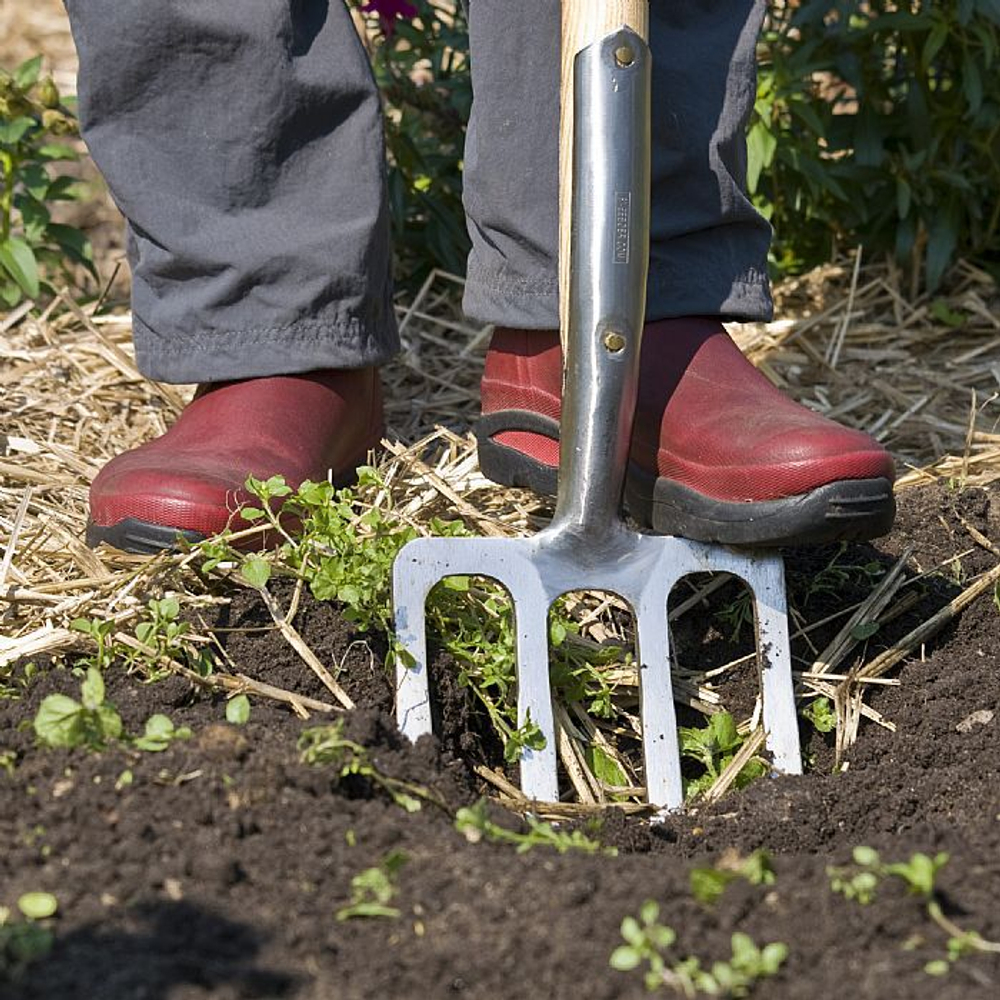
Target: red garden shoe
x=718 y=453
x=190 y=481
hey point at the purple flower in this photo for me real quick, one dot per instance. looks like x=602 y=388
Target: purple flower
x=389 y=10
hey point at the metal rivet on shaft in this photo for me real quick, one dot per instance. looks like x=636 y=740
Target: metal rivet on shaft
x=624 y=55
x=614 y=341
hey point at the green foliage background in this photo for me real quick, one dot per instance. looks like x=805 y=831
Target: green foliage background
x=877 y=123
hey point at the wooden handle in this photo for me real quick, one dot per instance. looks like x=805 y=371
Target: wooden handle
x=583 y=22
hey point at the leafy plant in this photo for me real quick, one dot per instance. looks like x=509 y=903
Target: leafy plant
x=860 y=882
x=327 y=746
x=648 y=942
x=373 y=889
x=15 y=678
x=62 y=721
x=23 y=942
x=100 y=632
x=238 y=710
x=159 y=733
x=474 y=824
x=527 y=736
x=93 y=721
x=422 y=69
x=821 y=714
x=878 y=124
x=162 y=630
x=714 y=748
x=738 y=614
x=708 y=884
x=33 y=116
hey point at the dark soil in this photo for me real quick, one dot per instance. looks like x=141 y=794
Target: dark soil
x=217 y=872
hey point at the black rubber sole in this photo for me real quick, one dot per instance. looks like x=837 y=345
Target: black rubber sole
x=508 y=466
x=141 y=538
x=848 y=510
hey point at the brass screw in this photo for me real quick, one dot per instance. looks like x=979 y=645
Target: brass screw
x=614 y=341
x=624 y=55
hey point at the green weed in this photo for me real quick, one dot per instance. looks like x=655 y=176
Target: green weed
x=23 y=942
x=820 y=712
x=475 y=825
x=93 y=722
x=648 y=942
x=326 y=746
x=373 y=889
x=738 y=614
x=708 y=884
x=860 y=882
x=15 y=678
x=714 y=748
x=33 y=119
x=238 y=710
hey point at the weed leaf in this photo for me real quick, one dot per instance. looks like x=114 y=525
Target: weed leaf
x=18 y=260
x=238 y=710
x=38 y=905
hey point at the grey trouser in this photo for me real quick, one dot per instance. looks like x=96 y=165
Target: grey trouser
x=242 y=140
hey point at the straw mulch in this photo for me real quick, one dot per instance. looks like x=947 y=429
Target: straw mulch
x=919 y=374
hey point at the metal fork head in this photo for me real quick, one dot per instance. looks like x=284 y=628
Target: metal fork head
x=642 y=570
x=587 y=547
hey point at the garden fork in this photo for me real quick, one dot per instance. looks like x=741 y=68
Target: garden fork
x=587 y=546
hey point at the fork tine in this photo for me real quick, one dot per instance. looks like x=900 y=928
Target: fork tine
x=661 y=753
x=777 y=691
x=413 y=702
x=539 y=779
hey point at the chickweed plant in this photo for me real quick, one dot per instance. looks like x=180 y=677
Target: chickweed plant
x=474 y=824
x=714 y=746
x=373 y=889
x=821 y=713
x=708 y=884
x=326 y=746
x=649 y=943
x=93 y=722
x=861 y=880
x=343 y=549
x=24 y=941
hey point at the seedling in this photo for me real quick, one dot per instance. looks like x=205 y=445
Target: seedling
x=861 y=882
x=161 y=632
x=14 y=679
x=714 y=747
x=648 y=941
x=159 y=733
x=238 y=710
x=25 y=941
x=708 y=884
x=373 y=889
x=738 y=614
x=821 y=714
x=475 y=825
x=836 y=577
x=100 y=632
x=327 y=746
x=93 y=721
